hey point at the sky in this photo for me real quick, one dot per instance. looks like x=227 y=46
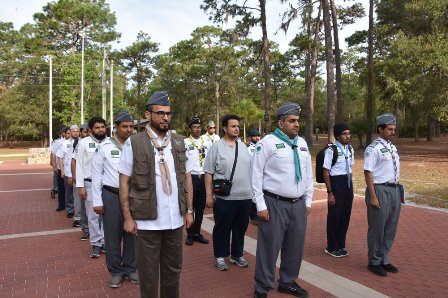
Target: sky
x=166 y=21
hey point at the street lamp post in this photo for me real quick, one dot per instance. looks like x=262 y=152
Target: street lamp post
x=83 y=36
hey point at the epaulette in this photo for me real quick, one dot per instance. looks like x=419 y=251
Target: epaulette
x=374 y=143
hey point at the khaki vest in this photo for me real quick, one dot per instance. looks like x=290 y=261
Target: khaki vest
x=142 y=194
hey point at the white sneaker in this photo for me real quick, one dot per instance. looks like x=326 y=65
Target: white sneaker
x=221 y=264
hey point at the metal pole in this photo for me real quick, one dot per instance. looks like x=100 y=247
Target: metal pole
x=111 y=97
x=103 y=86
x=50 y=105
x=83 y=35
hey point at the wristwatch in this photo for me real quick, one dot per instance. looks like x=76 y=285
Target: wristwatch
x=190 y=211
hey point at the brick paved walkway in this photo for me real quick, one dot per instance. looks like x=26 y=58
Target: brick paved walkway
x=41 y=254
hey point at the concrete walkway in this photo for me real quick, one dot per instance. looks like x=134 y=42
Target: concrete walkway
x=41 y=254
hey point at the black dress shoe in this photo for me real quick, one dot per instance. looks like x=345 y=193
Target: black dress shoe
x=189 y=241
x=260 y=295
x=200 y=238
x=390 y=268
x=60 y=209
x=293 y=289
x=378 y=270
x=70 y=215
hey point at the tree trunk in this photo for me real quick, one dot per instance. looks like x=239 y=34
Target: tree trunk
x=415 y=124
x=217 y=107
x=330 y=69
x=337 y=56
x=370 y=97
x=431 y=129
x=311 y=74
x=139 y=88
x=266 y=69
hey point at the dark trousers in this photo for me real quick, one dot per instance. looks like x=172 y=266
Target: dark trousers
x=338 y=216
x=69 y=200
x=61 y=191
x=253 y=211
x=231 y=217
x=198 y=204
x=159 y=251
x=119 y=262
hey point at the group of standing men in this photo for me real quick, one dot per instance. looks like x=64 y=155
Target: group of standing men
x=384 y=193
x=140 y=190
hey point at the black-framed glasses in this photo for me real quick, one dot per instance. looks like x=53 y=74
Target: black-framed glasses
x=162 y=114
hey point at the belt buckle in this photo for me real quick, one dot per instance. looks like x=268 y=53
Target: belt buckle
x=199 y=176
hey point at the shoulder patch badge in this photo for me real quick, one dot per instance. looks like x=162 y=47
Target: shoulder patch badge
x=115 y=153
x=280 y=146
x=190 y=147
x=384 y=150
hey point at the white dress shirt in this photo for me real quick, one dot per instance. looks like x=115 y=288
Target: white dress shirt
x=65 y=152
x=212 y=139
x=339 y=168
x=378 y=160
x=251 y=148
x=105 y=164
x=192 y=154
x=168 y=215
x=85 y=150
x=55 y=147
x=273 y=170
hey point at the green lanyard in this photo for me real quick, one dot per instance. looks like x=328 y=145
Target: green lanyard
x=200 y=150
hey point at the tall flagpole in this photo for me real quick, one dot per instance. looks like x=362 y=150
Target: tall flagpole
x=111 y=97
x=50 y=105
x=83 y=36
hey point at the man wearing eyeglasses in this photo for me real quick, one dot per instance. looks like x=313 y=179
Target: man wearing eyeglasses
x=211 y=135
x=156 y=198
x=337 y=172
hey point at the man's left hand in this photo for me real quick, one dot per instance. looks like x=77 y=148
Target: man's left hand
x=188 y=220
x=99 y=210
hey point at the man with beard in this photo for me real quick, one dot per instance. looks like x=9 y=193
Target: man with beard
x=282 y=182
x=156 y=199
x=382 y=175
x=80 y=216
x=338 y=180
x=228 y=158
x=197 y=149
x=86 y=150
x=105 y=182
x=64 y=155
x=65 y=134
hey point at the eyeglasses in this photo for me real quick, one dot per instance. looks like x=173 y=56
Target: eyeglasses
x=162 y=114
x=212 y=128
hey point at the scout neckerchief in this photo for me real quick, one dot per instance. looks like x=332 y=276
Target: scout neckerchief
x=201 y=150
x=347 y=163
x=164 y=171
x=281 y=135
x=393 y=158
x=116 y=142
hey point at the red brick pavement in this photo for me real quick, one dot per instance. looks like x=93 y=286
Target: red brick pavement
x=58 y=265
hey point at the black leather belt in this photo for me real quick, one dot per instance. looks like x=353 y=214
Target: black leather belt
x=199 y=176
x=388 y=184
x=280 y=198
x=88 y=179
x=111 y=189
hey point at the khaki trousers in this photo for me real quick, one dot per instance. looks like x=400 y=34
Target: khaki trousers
x=159 y=251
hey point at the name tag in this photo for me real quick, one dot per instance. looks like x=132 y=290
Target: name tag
x=303 y=149
x=92 y=145
x=280 y=146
